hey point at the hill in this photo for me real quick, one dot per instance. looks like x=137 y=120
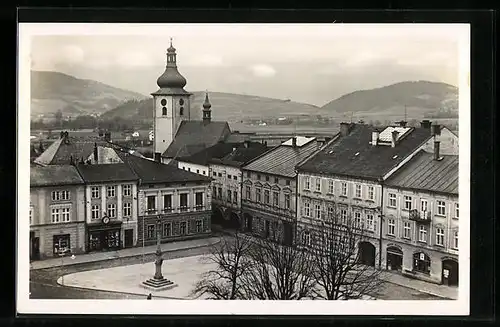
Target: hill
x=421 y=98
x=225 y=106
x=53 y=91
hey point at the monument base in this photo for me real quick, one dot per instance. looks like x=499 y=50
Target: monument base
x=158 y=284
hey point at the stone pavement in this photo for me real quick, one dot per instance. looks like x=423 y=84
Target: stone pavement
x=444 y=291
x=123 y=253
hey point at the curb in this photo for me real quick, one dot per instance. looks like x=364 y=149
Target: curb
x=135 y=255
x=421 y=291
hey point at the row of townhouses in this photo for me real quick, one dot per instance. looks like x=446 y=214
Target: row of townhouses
x=400 y=182
x=109 y=199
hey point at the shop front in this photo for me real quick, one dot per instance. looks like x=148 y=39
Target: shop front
x=105 y=235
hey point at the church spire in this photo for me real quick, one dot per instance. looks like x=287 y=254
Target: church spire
x=207 y=112
x=171 y=78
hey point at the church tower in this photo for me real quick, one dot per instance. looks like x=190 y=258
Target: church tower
x=171 y=105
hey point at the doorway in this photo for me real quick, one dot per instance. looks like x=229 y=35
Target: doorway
x=266 y=231
x=288 y=231
x=34 y=247
x=394 y=258
x=248 y=220
x=450 y=272
x=129 y=238
x=367 y=254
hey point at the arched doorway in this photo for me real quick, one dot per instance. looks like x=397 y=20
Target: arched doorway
x=421 y=263
x=450 y=272
x=217 y=217
x=394 y=258
x=234 y=221
x=367 y=254
x=248 y=222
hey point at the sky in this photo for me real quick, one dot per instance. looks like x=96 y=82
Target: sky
x=311 y=63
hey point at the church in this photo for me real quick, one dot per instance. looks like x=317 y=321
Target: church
x=177 y=133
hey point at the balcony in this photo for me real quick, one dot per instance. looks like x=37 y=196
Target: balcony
x=420 y=216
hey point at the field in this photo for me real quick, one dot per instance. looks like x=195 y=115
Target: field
x=84 y=133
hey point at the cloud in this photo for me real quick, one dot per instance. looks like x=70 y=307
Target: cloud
x=207 y=60
x=72 y=54
x=135 y=59
x=262 y=70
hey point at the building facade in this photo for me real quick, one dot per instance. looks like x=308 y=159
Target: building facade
x=421 y=219
x=269 y=190
x=57 y=212
x=111 y=205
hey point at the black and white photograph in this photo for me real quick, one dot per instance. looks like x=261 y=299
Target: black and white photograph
x=276 y=168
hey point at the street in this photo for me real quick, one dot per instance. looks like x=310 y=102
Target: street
x=43 y=283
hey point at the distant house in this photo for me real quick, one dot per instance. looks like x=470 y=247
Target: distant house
x=135 y=134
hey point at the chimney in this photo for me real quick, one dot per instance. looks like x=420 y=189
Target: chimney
x=294 y=141
x=436 y=129
x=375 y=135
x=344 y=129
x=436 y=150
x=394 y=138
x=425 y=124
x=96 y=155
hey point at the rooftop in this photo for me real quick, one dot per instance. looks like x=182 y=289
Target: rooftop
x=422 y=172
x=282 y=159
x=54 y=175
x=354 y=155
x=150 y=171
x=301 y=140
x=195 y=136
x=242 y=154
x=101 y=173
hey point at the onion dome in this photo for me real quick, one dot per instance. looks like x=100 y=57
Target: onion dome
x=171 y=78
x=207 y=105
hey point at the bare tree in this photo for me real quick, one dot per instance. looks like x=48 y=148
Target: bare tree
x=231 y=261
x=339 y=268
x=278 y=272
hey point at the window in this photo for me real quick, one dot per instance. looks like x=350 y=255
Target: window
x=407 y=202
x=249 y=174
x=422 y=233
x=110 y=190
x=330 y=212
x=55 y=215
x=357 y=219
x=318 y=185
x=267 y=178
x=215 y=174
x=440 y=236
x=331 y=186
x=65 y=215
x=127 y=209
x=235 y=177
x=275 y=199
x=344 y=188
x=229 y=176
x=220 y=192
x=235 y=196
x=358 y=191
x=455 y=240
x=441 y=208
x=421 y=263
x=189 y=168
x=167 y=202
x=258 y=177
x=31 y=215
x=219 y=174
x=247 y=193
x=307 y=183
x=60 y=195
x=214 y=191
x=276 y=180
x=266 y=196
x=95 y=192
x=392 y=200
x=371 y=193
x=151 y=203
x=199 y=224
x=306 y=238
x=307 y=209
x=204 y=172
x=127 y=190
x=229 y=195
x=181 y=111
x=183 y=228
x=183 y=201
x=370 y=222
x=61 y=243
x=456 y=210
x=167 y=229
x=111 y=210
x=343 y=216
x=317 y=211
x=288 y=183
x=407 y=230
x=257 y=194
x=423 y=205
x=150 y=231
x=287 y=201
x=199 y=199
x=95 y=212
x=391 y=223
x=197 y=171
x=164 y=111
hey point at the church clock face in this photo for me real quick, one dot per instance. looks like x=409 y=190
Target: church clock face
x=163 y=102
